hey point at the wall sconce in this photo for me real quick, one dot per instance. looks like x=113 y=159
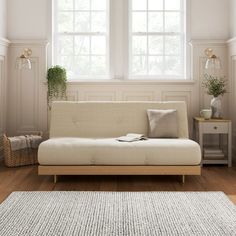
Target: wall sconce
x=23 y=61
x=213 y=62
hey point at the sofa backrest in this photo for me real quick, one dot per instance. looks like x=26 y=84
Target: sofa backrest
x=109 y=119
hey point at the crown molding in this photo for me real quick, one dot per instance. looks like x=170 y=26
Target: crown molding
x=210 y=42
x=27 y=42
x=4 y=42
x=232 y=40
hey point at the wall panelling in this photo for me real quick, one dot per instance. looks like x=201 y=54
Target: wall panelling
x=27 y=96
x=232 y=88
x=27 y=89
x=3 y=89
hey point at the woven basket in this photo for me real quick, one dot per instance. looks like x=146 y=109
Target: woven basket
x=23 y=157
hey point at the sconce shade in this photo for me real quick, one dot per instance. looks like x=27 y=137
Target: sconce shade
x=23 y=62
x=213 y=64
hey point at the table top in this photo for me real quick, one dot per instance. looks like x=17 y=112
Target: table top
x=200 y=119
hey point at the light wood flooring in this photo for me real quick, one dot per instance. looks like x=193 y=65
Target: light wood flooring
x=214 y=178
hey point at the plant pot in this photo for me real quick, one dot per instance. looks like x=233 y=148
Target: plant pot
x=216 y=107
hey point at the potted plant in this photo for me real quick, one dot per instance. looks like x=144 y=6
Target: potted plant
x=216 y=86
x=56 y=78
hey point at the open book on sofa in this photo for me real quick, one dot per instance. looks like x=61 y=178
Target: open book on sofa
x=131 y=137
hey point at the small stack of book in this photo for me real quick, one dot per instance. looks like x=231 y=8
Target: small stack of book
x=213 y=153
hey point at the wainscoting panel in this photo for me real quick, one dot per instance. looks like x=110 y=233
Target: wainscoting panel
x=138 y=95
x=27 y=116
x=99 y=95
x=233 y=97
x=2 y=97
x=2 y=105
x=72 y=96
x=3 y=89
x=198 y=68
x=27 y=90
x=232 y=87
x=179 y=96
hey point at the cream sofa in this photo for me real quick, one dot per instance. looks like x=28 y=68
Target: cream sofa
x=82 y=141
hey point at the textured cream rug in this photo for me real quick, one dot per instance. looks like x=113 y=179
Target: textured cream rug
x=117 y=213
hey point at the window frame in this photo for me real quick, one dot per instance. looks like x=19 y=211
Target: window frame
x=57 y=34
x=118 y=47
x=184 y=50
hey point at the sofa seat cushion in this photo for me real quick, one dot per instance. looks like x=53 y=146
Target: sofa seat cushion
x=109 y=151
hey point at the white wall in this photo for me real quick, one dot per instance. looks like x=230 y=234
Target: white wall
x=3 y=18
x=210 y=19
x=232 y=18
x=30 y=19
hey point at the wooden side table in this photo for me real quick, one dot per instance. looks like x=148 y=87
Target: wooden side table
x=216 y=154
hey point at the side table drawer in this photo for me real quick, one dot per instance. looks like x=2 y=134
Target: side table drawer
x=216 y=128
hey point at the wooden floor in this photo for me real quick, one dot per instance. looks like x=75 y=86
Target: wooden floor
x=214 y=178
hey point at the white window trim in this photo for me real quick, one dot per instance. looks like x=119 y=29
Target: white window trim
x=119 y=48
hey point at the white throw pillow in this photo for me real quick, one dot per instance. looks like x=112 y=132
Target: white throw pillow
x=163 y=123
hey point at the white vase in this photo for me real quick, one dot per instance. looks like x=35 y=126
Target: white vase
x=216 y=107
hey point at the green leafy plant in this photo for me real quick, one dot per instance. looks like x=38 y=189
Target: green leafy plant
x=215 y=85
x=56 y=78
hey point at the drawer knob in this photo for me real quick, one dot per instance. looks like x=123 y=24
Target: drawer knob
x=215 y=127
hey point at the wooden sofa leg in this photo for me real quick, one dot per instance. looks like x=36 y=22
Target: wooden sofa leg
x=55 y=179
x=183 y=179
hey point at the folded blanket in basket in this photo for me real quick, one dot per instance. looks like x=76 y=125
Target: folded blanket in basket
x=22 y=142
x=18 y=143
x=33 y=141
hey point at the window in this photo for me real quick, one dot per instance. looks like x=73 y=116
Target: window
x=137 y=39
x=157 y=38
x=81 y=37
